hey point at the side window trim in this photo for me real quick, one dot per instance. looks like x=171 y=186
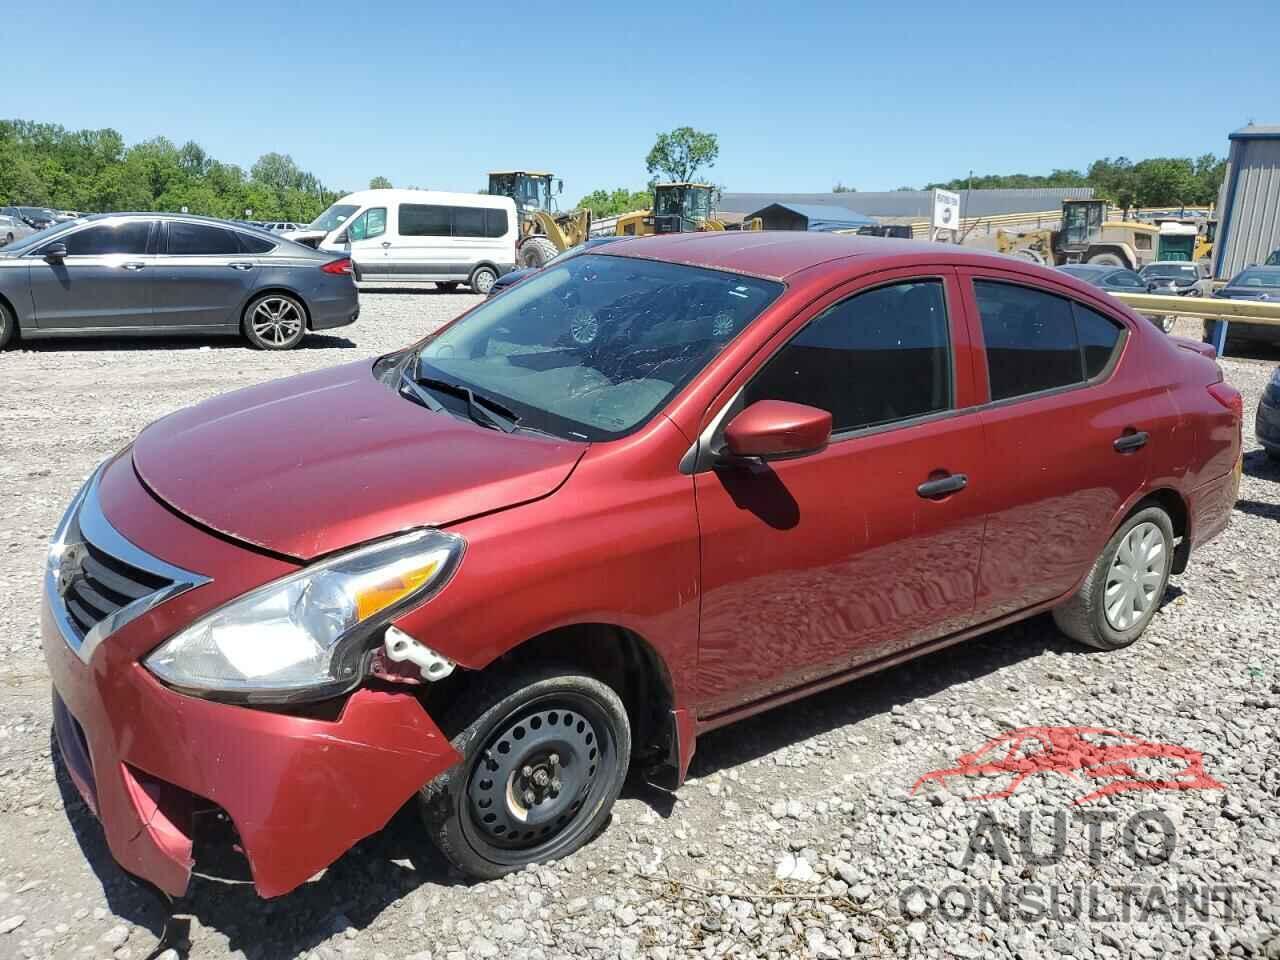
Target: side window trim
x=968 y=277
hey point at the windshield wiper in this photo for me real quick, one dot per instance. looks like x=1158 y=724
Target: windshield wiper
x=407 y=385
x=481 y=409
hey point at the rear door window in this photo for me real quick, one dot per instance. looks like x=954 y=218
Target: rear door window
x=878 y=357
x=1037 y=341
x=252 y=244
x=495 y=223
x=200 y=239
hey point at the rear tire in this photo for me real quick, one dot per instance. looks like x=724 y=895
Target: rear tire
x=509 y=804
x=536 y=252
x=275 y=321
x=1123 y=590
x=482 y=279
x=8 y=327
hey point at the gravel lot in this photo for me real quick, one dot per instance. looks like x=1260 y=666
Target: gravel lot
x=798 y=834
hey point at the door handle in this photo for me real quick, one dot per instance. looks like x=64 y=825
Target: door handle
x=1130 y=441
x=942 y=486
x=240 y=265
x=134 y=265
x=385 y=244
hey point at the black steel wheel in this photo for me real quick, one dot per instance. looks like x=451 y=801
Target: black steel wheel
x=544 y=758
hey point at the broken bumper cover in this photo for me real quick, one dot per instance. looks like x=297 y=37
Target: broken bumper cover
x=299 y=791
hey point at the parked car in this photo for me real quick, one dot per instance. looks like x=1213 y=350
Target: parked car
x=674 y=482
x=515 y=276
x=411 y=236
x=1118 y=280
x=141 y=273
x=1266 y=421
x=37 y=217
x=1174 y=278
x=279 y=226
x=13 y=227
x=1251 y=283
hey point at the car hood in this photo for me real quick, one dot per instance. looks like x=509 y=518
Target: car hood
x=315 y=463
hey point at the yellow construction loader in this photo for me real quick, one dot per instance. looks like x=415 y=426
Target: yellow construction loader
x=677 y=208
x=1086 y=236
x=544 y=230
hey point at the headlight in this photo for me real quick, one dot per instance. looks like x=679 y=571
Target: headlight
x=303 y=637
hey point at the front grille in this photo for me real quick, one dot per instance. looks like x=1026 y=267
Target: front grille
x=97 y=581
x=104 y=585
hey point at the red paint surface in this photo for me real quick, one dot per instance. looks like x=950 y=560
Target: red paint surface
x=748 y=585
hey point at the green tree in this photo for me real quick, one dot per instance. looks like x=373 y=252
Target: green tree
x=608 y=203
x=379 y=183
x=679 y=155
x=841 y=188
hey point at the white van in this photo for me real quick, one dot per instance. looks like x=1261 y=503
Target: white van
x=408 y=236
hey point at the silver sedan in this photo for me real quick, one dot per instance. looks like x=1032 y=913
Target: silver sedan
x=148 y=273
x=13 y=228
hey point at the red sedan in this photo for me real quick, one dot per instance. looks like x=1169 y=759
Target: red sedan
x=652 y=489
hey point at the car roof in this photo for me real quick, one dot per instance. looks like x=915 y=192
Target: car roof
x=780 y=254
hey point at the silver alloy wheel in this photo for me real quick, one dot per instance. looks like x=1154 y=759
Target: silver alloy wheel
x=1135 y=575
x=277 y=320
x=482 y=280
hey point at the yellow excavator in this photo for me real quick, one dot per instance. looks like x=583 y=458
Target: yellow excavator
x=677 y=208
x=544 y=230
x=1086 y=236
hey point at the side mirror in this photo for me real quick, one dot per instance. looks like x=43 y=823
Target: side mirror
x=777 y=430
x=559 y=186
x=55 y=252
x=342 y=238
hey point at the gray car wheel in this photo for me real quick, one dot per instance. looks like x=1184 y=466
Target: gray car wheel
x=482 y=280
x=8 y=326
x=275 y=321
x=1123 y=590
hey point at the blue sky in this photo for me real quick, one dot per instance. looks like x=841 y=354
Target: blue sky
x=801 y=94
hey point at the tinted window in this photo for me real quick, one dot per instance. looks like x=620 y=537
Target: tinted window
x=372 y=223
x=128 y=237
x=424 y=220
x=196 y=239
x=252 y=244
x=1030 y=338
x=1098 y=336
x=495 y=223
x=468 y=221
x=880 y=356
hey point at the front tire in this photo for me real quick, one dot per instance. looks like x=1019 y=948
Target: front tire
x=545 y=754
x=275 y=321
x=1123 y=590
x=1107 y=260
x=8 y=326
x=536 y=251
x=482 y=280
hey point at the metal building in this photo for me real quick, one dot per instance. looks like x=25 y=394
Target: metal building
x=809 y=216
x=1249 y=204
x=915 y=203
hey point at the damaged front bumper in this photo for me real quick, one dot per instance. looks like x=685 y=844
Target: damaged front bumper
x=298 y=790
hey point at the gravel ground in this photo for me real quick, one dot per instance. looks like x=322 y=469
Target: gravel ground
x=798 y=833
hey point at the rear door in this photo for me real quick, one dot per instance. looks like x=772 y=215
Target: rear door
x=1067 y=433
x=106 y=281
x=813 y=565
x=203 y=278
